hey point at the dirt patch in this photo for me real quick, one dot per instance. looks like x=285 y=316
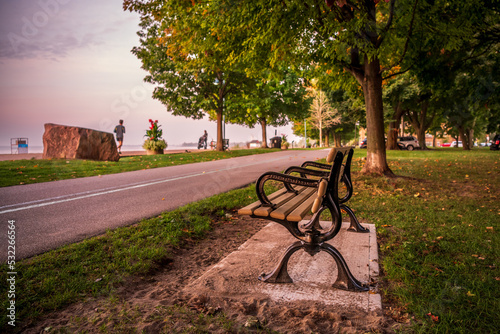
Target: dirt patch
x=157 y=304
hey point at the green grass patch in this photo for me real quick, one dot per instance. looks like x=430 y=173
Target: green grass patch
x=15 y=172
x=438 y=235
x=96 y=266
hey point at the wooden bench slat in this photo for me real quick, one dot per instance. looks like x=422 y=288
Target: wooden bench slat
x=284 y=210
x=249 y=209
x=301 y=211
x=256 y=209
x=264 y=211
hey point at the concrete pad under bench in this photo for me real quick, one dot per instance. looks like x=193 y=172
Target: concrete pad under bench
x=236 y=276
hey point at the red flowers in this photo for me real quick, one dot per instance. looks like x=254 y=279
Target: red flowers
x=154 y=132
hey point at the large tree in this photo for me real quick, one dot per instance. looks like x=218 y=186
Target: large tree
x=364 y=38
x=352 y=36
x=276 y=100
x=192 y=78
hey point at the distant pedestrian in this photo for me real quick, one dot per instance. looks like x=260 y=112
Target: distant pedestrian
x=119 y=130
x=202 y=142
x=205 y=136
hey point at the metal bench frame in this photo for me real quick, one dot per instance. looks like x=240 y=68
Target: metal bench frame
x=312 y=237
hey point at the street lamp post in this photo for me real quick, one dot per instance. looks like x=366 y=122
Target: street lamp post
x=305 y=134
x=356 y=143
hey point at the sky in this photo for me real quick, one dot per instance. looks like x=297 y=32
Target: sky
x=69 y=62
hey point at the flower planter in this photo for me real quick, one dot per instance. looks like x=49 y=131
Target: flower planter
x=154 y=152
x=284 y=147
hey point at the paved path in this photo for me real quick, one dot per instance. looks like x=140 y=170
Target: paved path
x=52 y=214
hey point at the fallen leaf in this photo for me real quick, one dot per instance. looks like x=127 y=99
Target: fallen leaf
x=470 y=294
x=434 y=318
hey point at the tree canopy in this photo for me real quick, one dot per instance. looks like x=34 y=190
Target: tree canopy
x=367 y=42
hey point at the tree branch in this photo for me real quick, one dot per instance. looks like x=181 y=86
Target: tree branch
x=410 y=31
x=388 y=24
x=394 y=74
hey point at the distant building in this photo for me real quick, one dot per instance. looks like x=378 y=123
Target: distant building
x=254 y=144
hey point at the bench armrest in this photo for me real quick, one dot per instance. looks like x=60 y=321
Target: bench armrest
x=316 y=165
x=306 y=171
x=287 y=181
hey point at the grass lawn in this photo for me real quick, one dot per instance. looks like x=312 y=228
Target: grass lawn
x=16 y=172
x=437 y=228
x=438 y=236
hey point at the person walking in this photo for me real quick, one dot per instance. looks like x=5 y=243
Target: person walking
x=119 y=130
x=205 y=137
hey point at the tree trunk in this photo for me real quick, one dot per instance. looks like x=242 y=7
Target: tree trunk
x=337 y=139
x=417 y=120
x=463 y=135
x=471 y=138
x=392 y=135
x=327 y=138
x=320 y=131
x=220 y=146
x=264 y=132
x=371 y=81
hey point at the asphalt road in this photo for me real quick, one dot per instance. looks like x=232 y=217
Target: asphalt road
x=53 y=214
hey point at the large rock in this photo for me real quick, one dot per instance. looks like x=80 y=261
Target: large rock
x=70 y=142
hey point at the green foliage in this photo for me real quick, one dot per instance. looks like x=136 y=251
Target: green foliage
x=276 y=99
x=154 y=145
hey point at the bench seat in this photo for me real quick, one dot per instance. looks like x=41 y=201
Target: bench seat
x=288 y=205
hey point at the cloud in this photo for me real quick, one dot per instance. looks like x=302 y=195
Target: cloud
x=51 y=29
x=45 y=46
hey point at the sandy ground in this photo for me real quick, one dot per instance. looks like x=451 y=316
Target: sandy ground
x=148 y=304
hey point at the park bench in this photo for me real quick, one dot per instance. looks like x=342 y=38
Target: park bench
x=225 y=144
x=315 y=189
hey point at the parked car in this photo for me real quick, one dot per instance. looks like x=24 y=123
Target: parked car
x=454 y=144
x=408 y=142
x=445 y=144
x=495 y=143
x=363 y=144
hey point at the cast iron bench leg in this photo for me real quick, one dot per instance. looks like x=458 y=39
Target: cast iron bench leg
x=280 y=273
x=345 y=280
x=355 y=225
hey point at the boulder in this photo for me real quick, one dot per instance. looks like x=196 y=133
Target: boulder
x=70 y=142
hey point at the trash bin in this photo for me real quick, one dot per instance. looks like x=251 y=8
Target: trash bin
x=276 y=142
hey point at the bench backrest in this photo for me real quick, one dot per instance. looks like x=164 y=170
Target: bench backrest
x=340 y=171
x=345 y=170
